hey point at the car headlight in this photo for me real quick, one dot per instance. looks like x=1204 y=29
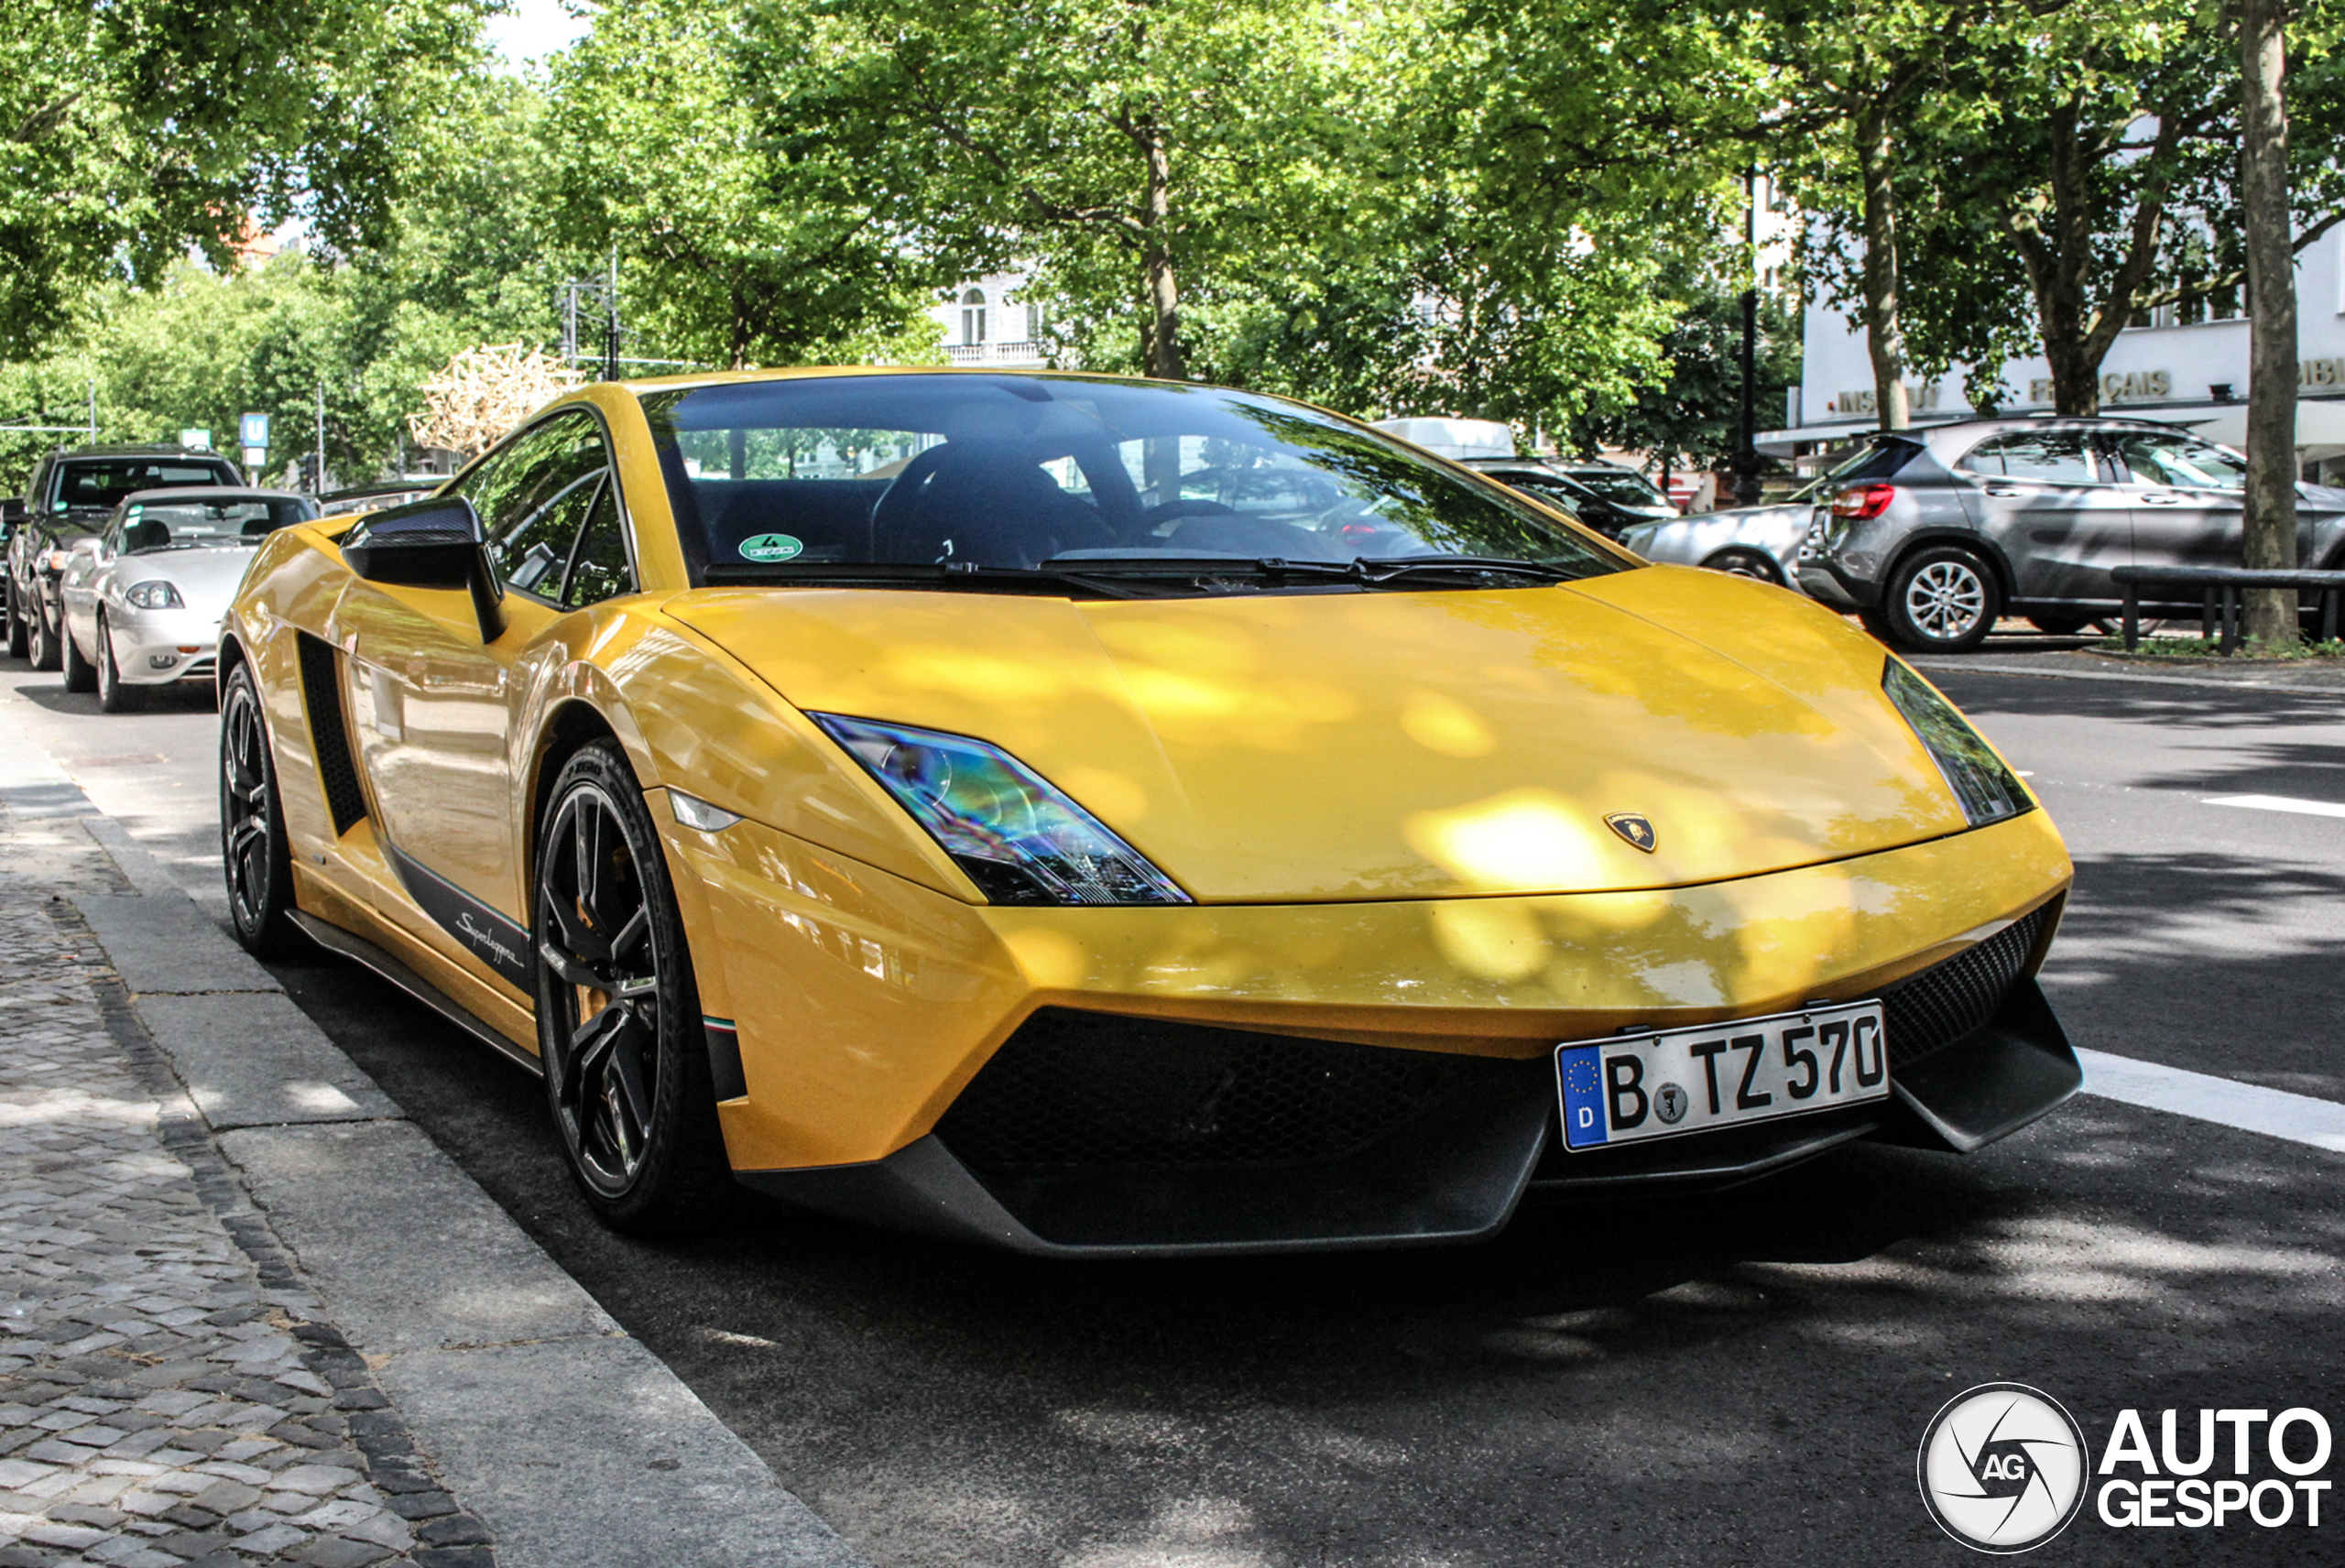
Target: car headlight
x=1020 y=840
x=1987 y=790
x=156 y=595
x=56 y=561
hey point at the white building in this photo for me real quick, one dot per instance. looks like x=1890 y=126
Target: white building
x=987 y=321
x=2187 y=372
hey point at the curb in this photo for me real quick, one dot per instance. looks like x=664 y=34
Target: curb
x=572 y=1445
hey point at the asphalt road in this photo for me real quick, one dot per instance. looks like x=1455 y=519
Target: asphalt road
x=1737 y=1377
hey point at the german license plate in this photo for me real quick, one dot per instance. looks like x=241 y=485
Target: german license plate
x=1629 y=1087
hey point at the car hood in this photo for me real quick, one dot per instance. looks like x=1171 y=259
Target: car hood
x=207 y=577
x=1296 y=747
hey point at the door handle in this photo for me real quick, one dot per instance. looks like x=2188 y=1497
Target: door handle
x=2004 y=491
x=2163 y=500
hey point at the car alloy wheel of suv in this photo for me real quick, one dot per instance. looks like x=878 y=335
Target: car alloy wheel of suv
x=1942 y=599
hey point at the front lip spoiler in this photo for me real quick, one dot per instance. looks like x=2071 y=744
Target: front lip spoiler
x=1456 y=1176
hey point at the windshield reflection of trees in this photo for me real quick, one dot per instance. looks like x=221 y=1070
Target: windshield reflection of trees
x=1405 y=493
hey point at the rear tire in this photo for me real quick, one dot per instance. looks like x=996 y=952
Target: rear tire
x=18 y=639
x=81 y=675
x=1750 y=563
x=253 y=847
x=619 y=1029
x=41 y=643
x=113 y=696
x=1941 y=599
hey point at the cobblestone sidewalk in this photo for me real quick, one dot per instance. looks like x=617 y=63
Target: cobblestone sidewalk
x=168 y=1392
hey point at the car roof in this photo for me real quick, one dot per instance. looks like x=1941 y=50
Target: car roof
x=1964 y=432
x=210 y=492
x=157 y=450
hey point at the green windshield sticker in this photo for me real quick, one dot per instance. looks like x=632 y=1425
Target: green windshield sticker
x=771 y=547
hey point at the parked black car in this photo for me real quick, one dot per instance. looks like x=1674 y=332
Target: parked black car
x=1605 y=495
x=71 y=493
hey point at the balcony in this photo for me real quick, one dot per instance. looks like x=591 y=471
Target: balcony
x=1020 y=352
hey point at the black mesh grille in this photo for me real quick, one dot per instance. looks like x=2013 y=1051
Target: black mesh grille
x=1949 y=1000
x=1075 y=1089
x=329 y=739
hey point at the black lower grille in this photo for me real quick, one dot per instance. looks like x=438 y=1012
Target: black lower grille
x=329 y=737
x=1950 y=1000
x=1075 y=1089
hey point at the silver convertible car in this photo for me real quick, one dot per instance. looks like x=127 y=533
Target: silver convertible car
x=142 y=600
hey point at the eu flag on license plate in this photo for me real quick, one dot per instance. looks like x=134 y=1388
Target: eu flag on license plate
x=1582 y=1071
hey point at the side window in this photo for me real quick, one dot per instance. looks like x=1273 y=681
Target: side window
x=533 y=495
x=599 y=570
x=2050 y=457
x=2179 y=462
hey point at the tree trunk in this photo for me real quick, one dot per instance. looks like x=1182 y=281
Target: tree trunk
x=2270 y=520
x=2060 y=305
x=1162 y=340
x=1884 y=284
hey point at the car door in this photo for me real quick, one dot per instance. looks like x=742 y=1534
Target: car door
x=435 y=706
x=2186 y=498
x=80 y=584
x=2049 y=501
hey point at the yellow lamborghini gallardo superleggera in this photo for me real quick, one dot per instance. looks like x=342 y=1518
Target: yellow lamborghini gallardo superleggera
x=1103 y=816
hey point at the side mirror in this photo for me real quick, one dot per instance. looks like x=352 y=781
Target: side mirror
x=12 y=511
x=433 y=543
x=88 y=544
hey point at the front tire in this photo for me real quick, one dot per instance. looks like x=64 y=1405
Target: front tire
x=1749 y=563
x=81 y=675
x=19 y=639
x=619 y=1030
x=253 y=848
x=41 y=643
x=113 y=696
x=1941 y=599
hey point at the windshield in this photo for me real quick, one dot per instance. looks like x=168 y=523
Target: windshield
x=183 y=525
x=1622 y=487
x=975 y=476
x=104 y=481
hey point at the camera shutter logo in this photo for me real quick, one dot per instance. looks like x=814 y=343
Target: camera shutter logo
x=2002 y=1467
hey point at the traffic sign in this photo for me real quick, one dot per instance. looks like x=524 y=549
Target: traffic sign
x=254 y=430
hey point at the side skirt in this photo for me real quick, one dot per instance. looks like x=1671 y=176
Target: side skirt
x=359 y=951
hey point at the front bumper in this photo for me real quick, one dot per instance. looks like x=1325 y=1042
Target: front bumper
x=161 y=647
x=861 y=1025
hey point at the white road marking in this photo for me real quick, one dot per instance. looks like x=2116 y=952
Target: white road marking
x=2278 y=803
x=2250 y=1107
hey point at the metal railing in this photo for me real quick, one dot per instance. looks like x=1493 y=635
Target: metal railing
x=1018 y=353
x=2219 y=590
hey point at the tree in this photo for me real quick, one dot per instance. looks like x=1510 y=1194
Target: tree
x=740 y=240
x=133 y=131
x=1106 y=137
x=2271 y=500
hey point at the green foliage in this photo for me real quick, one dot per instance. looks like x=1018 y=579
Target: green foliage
x=132 y=131
x=737 y=248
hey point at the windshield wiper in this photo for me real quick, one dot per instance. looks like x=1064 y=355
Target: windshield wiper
x=901 y=574
x=1378 y=572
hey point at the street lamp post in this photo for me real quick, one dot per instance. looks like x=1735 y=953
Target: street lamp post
x=1746 y=455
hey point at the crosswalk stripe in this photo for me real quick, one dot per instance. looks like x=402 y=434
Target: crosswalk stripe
x=2250 y=1107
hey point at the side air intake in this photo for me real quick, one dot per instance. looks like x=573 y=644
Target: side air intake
x=329 y=735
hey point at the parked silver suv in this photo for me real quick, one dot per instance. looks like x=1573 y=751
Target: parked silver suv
x=1947 y=529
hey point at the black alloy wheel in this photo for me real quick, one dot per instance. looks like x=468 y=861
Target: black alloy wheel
x=253 y=849
x=1941 y=599
x=619 y=1032
x=81 y=675
x=41 y=642
x=1749 y=563
x=114 y=695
